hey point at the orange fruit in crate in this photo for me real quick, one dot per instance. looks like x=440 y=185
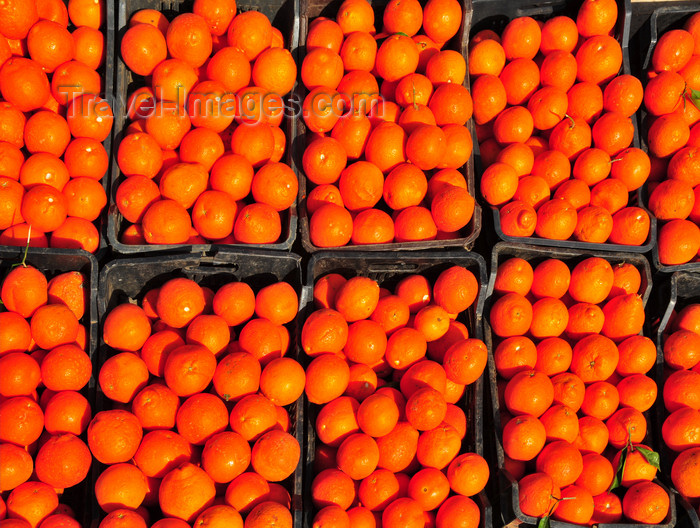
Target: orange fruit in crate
x=683 y=472
x=442 y=19
x=646 y=502
x=521 y=38
x=529 y=392
x=679 y=242
x=536 y=494
x=673 y=50
x=559 y=34
x=143 y=47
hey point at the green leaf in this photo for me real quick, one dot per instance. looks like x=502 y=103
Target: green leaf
x=695 y=97
x=544 y=522
x=402 y=34
x=617 y=481
x=651 y=456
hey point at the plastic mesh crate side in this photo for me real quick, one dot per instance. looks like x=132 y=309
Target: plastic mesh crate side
x=495 y=14
x=669 y=15
x=532 y=253
x=664 y=268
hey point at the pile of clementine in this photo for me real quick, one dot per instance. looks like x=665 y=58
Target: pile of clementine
x=573 y=388
x=43 y=410
x=681 y=394
x=52 y=123
x=386 y=141
x=554 y=128
x=201 y=158
x=198 y=428
x=387 y=372
x=673 y=138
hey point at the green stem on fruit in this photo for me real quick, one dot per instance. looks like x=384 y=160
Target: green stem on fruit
x=683 y=94
x=413 y=89
x=620 y=470
x=23 y=262
x=649 y=455
x=573 y=123
x=544 y=521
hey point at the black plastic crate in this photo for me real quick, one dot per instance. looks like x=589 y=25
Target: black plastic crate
x=52 y=262
x=495 y=15
x=128 y=280
x=110 y=46
x=508 y=486
x=388 y=269
x=311 y=9
x=680 y=290
x=106 y=72
x=284 y=16
x=689 y=266
x=651 y=20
